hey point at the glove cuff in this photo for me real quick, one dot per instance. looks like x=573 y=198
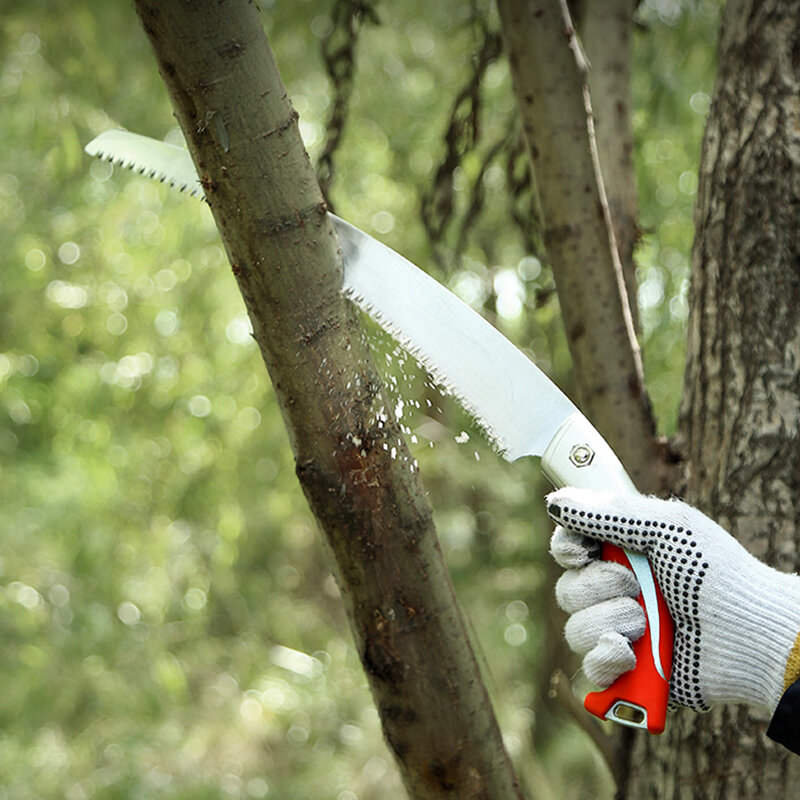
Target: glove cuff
x=792 y=672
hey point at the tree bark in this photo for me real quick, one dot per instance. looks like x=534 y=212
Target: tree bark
x=741 y=411
x=550 y=83
x=606 y=28
x=350 y=456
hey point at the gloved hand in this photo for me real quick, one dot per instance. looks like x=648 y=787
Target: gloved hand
x=736 y=619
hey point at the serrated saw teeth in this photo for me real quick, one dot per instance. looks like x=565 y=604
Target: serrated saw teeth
x=147 y=172
x=439 y=378
x=150 y=158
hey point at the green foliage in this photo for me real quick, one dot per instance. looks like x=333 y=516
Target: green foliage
x=170 y=623
x=672 y=84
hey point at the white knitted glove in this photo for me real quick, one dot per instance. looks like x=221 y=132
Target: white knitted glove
x=736 y=619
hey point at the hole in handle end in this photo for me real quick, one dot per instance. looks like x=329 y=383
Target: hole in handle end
x=629 y=714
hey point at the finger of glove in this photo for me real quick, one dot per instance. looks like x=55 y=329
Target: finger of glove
x=621 y=615
x=610 y=658
x=595 y=583
x=571 y=550
x=629 y=520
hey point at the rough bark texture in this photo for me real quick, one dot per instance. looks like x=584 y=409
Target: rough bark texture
x=242 y=132
x=741 y=410
x=549 y=76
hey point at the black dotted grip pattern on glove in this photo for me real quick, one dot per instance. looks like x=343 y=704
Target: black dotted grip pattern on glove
x=679 y=569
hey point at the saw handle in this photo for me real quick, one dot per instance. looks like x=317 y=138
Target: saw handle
x=639 y=697
x=578 y=456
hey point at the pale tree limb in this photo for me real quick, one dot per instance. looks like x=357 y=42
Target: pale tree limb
x=549 y=74
x=242 y=132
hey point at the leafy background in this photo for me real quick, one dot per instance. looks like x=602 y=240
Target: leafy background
x=169 y=620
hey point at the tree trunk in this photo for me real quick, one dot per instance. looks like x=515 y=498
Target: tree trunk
x=243 y=135
x=741 y=411
x=550 y=76
x=607 y=34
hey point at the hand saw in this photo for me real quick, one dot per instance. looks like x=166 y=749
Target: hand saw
x=519 y=407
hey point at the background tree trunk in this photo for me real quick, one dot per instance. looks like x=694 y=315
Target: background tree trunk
x=549 y=74
x=606 y=28
x=741 y=413
x=242 y=132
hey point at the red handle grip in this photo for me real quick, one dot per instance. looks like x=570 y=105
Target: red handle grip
x=639 y=697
